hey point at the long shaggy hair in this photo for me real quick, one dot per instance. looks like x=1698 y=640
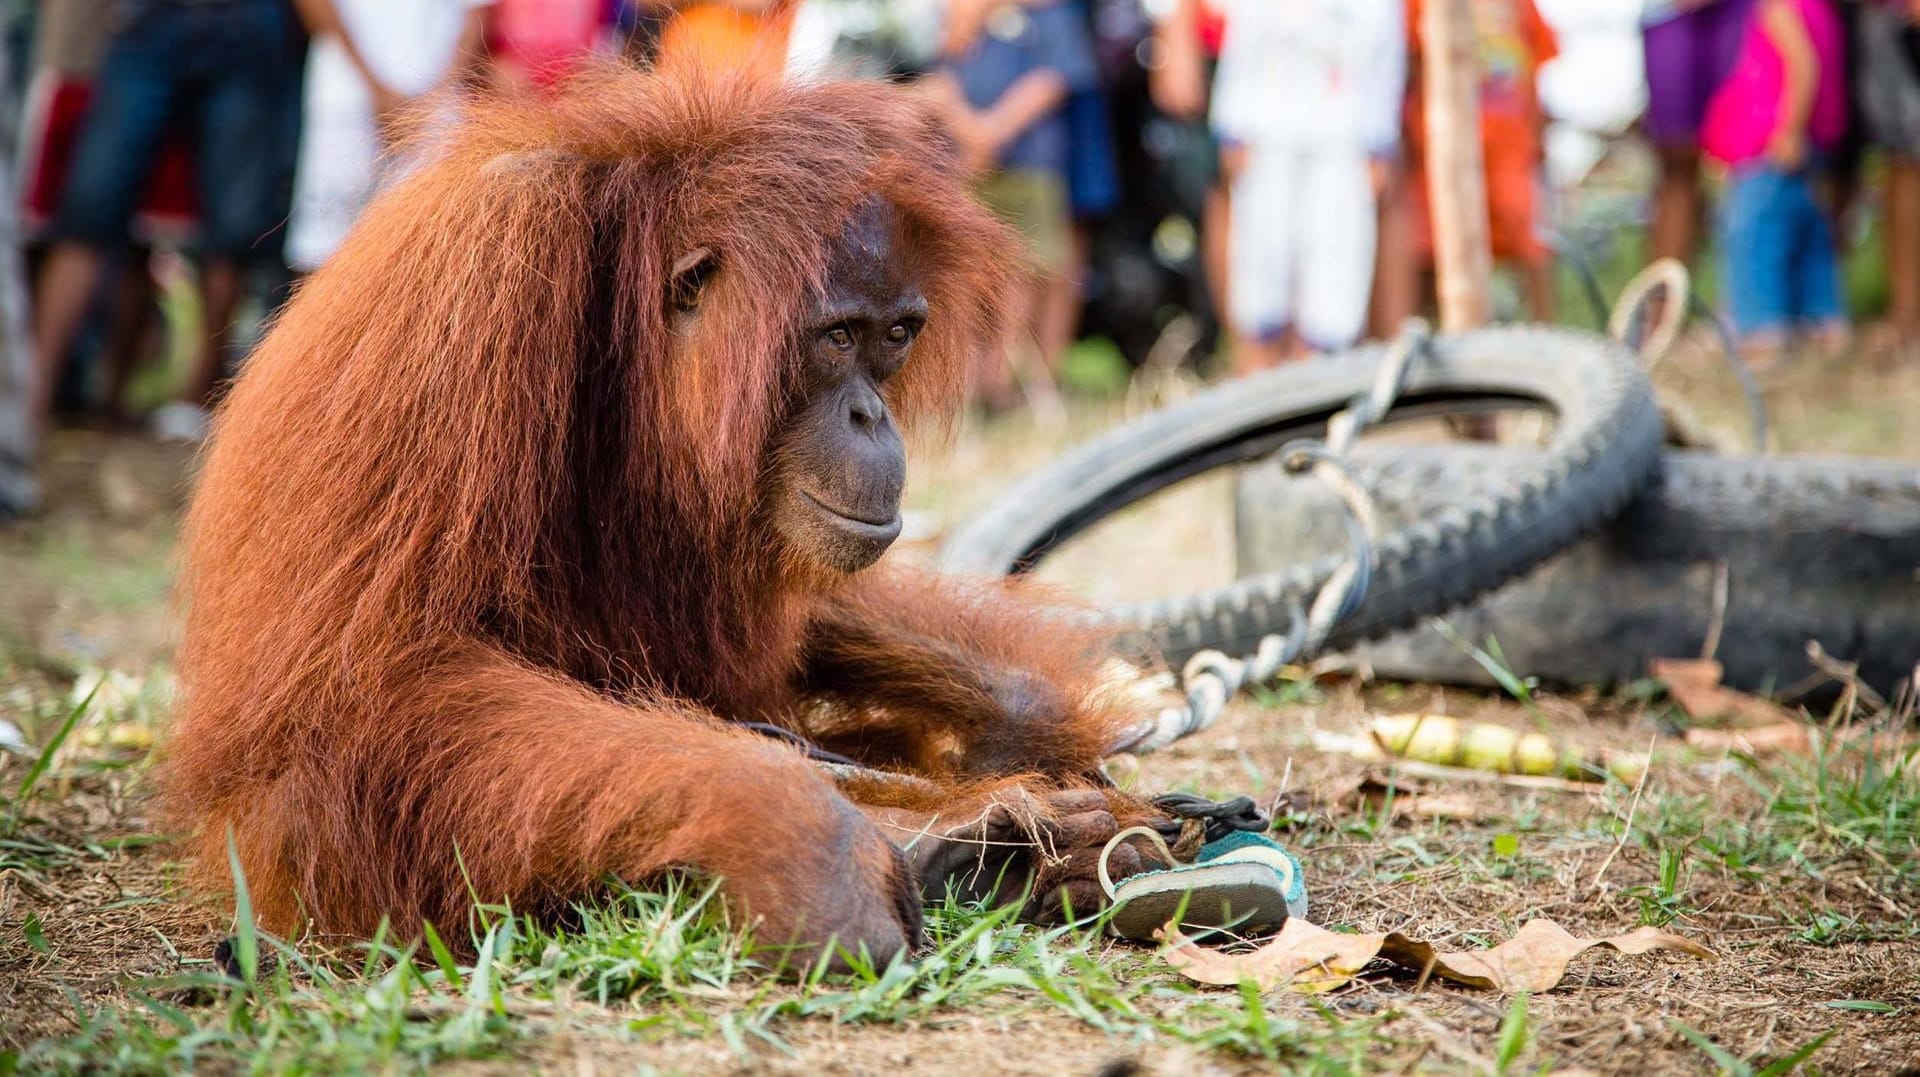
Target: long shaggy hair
x=474 y=503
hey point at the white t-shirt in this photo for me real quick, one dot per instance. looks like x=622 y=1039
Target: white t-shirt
x=1311 y=73
x=409 y=45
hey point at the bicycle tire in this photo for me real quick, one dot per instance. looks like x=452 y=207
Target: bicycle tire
x=1605 y=444
x=1822 y=548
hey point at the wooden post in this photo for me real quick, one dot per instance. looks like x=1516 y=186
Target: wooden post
x=1456 y=176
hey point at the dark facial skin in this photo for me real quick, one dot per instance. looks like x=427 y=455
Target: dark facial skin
x=840 y=463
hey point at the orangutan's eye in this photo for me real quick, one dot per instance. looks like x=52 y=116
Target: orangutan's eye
x=691 y=275
x=840 y=339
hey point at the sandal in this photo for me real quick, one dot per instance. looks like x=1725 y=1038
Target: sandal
x=1243 y=882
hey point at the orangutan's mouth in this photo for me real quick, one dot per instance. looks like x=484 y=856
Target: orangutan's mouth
x=866 y=527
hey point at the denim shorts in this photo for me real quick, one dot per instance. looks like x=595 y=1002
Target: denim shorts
x=1093 y=177
x=223 y=72
x=1781 y=270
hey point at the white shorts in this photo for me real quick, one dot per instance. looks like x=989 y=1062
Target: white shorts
x=1301 y=247
x=340 y=157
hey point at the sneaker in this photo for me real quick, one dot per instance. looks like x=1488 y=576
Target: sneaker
x=1244 y=882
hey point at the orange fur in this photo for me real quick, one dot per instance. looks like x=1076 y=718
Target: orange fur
x=476 y=569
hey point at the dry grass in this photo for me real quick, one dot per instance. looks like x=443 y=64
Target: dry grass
x=1804 y=876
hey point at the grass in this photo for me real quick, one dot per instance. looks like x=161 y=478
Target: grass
x=1850 y=803
x=659 y=964
x=660 y=970
x=1803 y=873
x=1728 y=1063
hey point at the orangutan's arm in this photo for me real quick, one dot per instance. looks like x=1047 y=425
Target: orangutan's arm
x=958 y=678
x=489 y=780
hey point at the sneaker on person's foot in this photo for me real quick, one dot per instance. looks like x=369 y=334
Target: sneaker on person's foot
x=178 y=421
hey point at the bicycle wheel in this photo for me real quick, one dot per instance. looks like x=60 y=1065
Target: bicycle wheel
x=1605 y=443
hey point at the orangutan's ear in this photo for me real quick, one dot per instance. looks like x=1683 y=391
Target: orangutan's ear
x=691 y=273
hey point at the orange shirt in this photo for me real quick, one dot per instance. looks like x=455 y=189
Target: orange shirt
x=1513 y=42
x=725 y=37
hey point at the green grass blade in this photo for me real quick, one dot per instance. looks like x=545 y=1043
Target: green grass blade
x=246 y=941
x=1720 y=1055
x=1782 y=1067
x=1494 y=664
x=35 y=934
x=376 y=949
x=45 y=759
x=1514 y=1034
x=1862 y=1005
x=443 y=957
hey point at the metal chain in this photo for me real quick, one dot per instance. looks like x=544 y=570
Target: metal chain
x=1211 y=678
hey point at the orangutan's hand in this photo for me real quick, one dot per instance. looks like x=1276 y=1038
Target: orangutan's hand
x=992 y=849
x=850 y=892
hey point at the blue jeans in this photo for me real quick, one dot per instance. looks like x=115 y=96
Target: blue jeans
x=223 y=72
x=1781 y=272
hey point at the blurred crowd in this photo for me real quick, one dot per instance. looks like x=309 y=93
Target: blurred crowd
x=1250 y=172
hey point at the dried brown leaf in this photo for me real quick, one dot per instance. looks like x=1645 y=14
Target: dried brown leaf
x=1307 y=958
x=1694 y=683
x=1304 y=957
x=1535 y=959
x=1779 y=737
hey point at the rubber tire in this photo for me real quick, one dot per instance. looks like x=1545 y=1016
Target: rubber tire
x=1607 y=439
x=1822 y=548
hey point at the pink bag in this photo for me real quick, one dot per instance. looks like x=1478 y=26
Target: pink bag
x=1745 y=110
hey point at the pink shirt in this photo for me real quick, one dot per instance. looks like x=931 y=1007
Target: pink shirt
x=1745 y=110
x=547 y=39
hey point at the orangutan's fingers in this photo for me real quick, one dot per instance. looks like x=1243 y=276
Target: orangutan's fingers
x=1067 y=901
x=1089 y=829
x=1124 y=861
x=1064 y=802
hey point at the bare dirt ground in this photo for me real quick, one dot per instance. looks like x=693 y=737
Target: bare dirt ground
x=1803 y=875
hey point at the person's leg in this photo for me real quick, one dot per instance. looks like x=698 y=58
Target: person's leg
x=1041 y=198
x=1677 y=205
x=1819 y=300
x=994 y=386
x=127 y=332
x=1514 y=218
x=1677 y=91
x=1061 y=324
x=1756 y=248
x=1540 y=256
x=1252 y=354
x=1337 y=219
x=134 y=98
x=1262 y=253
x=1422 y=275
x=245 y=51
x=1396 y=283
x=1903 y=246
x=1538 y=274
x=220 y=280
x=61 y=294
x=999 y=372
x=1216 y=239
x=1058 y=314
